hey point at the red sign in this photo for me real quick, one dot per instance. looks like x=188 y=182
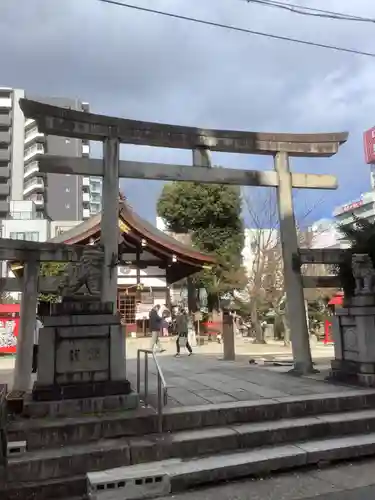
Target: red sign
x=8 y=333
x=369 y=145
x=351 y=206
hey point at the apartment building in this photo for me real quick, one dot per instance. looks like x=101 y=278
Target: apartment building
x=11 y=148
x=57 y=197
x=362 y=208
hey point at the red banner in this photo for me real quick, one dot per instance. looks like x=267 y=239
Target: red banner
x=8 y=334
x=369 y=145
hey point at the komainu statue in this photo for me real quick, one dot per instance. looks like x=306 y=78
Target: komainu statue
x=85 y=276
x=364 y=274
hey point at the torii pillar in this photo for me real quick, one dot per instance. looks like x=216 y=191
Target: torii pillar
x=109 y=221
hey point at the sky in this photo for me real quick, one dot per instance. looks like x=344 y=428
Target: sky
x=143 y=66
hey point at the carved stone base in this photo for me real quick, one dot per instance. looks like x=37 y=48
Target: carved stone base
x=81 y=354
x=81 y=305
x=353 y=372
x=82 y=390
x=80 y=406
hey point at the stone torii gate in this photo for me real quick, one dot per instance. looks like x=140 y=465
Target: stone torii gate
x=112 y=132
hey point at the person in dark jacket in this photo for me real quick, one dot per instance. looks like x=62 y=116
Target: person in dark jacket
x=155 y=320
x=182 y=327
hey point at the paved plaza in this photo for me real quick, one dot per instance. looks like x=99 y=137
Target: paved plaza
x=203 y=378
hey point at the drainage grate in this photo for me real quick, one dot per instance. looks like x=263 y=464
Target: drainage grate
x=149 y=486
x=16 y=448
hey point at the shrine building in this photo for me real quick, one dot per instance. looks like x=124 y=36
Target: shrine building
x=150 y=261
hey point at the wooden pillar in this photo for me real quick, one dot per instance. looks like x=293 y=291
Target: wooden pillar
x=295 y=310
x=109 y=222
x=23 y=367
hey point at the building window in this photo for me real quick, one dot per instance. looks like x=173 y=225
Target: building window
x=126 y=307
x=17 y=236
x=26 y=236
x=32 y=236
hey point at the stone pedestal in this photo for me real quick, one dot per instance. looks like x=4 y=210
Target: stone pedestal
x=353 y=330
x=81 y=354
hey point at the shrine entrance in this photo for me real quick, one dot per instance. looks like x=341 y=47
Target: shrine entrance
x=113 y=131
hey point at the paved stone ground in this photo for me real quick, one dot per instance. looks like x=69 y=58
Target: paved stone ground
x=202 y=379
x=343 y=482
x=212 y=386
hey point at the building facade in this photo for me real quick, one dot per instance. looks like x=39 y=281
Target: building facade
x=56 y=197
x=362 y=208
x=11 y=148
x=325 y=234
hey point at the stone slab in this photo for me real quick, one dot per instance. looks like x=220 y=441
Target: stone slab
x=68 y=461
x=81 y=354
x=84 y=306
x=68 y=487
x=89 y=331
x=339 y=448
x=82 y=320
x=80 y=406
x=80 y=390
x=117 y=347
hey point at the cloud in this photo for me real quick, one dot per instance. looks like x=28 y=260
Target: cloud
x=148 y=67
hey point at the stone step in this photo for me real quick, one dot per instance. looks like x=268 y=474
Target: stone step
x=109 y=453
x=67 y=488
x=171 y=476
x=49 y=433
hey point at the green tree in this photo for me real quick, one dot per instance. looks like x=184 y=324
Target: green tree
x=53 y=269
x=211 y=214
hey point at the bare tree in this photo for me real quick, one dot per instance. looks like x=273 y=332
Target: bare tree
x=265 y=286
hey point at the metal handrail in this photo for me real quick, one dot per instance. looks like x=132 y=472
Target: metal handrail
x=162 y=385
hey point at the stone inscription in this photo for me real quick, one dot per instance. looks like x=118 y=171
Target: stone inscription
x=82 y=355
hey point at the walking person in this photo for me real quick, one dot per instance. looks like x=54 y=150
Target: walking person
x=38 y=326
x=182 y=327
x=155 y=323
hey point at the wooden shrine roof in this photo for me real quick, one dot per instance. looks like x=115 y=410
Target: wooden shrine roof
x=139 y=229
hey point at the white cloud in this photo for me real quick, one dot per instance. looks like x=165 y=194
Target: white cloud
x=144 y=66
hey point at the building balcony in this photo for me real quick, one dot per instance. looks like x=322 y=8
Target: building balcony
x=4 y=209
x=4 y=137
x=5 y=102
x=34 y=184
x=29 y=122
x=4 y=172
x=4 y=190
x=38 y=199
x=86 y=213
x=5 y=120
x=31 y=151
x=33 y=135
x=5 y=154
x=30 y=169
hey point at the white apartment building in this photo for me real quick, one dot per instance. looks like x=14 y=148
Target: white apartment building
x=362 y=208
x=57 y=197
x=24 y=223
x=325 y=234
